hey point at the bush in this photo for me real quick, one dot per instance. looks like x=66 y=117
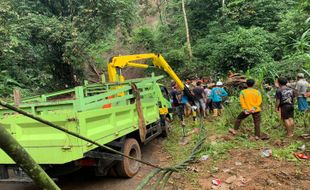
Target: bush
x=237 y=50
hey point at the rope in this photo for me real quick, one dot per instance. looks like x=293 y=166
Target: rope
x=6 y=105
x=165 y=173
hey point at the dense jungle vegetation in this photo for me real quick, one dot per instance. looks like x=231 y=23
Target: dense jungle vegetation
x=53 y=44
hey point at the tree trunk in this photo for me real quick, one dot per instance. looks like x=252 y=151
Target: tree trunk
x=189 y=47
x=9 y=145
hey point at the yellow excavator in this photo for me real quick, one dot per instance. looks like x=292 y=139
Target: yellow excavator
x=117 y=63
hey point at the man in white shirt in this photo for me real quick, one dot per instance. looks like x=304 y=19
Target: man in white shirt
x=301 y=89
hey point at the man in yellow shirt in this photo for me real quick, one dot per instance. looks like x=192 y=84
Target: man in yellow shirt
x=250 y=100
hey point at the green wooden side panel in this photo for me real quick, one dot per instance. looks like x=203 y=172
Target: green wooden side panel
x=85 y=115
x=45 y=144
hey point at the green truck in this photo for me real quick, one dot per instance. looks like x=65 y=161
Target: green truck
x=107 y=113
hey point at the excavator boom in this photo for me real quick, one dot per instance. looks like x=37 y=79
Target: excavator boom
x=119 y=62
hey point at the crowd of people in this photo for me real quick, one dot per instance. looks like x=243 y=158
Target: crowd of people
x=209 y=97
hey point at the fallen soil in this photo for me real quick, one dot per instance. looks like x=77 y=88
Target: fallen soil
x=246 y=169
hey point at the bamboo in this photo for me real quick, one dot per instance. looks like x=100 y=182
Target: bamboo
x=25 y=161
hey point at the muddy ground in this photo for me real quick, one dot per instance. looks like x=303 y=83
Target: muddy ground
x=246 y=169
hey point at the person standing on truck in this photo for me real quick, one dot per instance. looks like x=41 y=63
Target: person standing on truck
x=285 y=105
x=176 y=96
x=250 y=100
x=200 y=97
x=301 y=89
x=217 y=95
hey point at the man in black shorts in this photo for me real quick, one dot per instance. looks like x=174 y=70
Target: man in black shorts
x=285 y=105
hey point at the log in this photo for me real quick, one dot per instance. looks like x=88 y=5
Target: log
x=12 y=148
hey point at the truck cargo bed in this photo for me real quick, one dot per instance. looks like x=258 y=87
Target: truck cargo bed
x=101 y=112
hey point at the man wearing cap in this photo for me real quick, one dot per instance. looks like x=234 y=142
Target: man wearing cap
x=301 y=89
x=216 y=96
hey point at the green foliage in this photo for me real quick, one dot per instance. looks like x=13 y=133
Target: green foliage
x=143 y=37
x=241 y=49
x=261 y=13
x=292 y=65
x=47 y=44
x=291 y=28
x=200 y=13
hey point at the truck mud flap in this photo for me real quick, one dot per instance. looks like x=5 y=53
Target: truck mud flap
x=4 y=173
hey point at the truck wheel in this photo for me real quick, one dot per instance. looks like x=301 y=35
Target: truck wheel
x=127 y=167
x=4 y=172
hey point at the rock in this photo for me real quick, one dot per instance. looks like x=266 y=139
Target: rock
x=242 y=179
x=238 y=163
x=226 y=170
x=231 y=179
x=204 y=158
x=193 y=169
x=214 y=169
x=270 y=182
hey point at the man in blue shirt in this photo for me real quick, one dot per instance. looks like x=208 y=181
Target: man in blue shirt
x=216 y=96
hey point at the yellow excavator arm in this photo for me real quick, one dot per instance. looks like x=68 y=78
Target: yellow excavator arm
x=119 y=62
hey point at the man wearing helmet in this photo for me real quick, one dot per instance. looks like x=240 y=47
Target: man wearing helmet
x=216 y=96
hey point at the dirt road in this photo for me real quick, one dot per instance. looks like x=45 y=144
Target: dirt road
x=81 y=181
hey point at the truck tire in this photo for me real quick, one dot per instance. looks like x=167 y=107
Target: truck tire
x=4 y=172
x=127 y=167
